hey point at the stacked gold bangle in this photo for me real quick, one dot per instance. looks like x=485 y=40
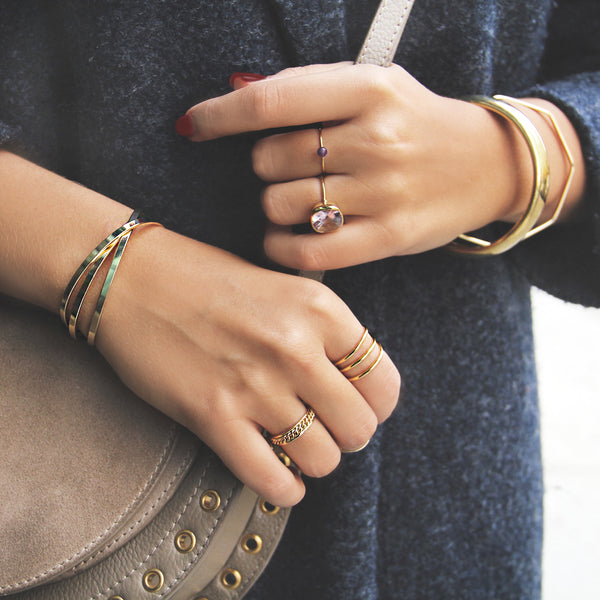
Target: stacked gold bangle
x=71 y=303
x=525 y=227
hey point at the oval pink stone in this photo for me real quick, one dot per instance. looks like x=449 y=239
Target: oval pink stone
x=326 y=218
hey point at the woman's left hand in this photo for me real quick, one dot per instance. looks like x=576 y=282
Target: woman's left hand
x=409 y=169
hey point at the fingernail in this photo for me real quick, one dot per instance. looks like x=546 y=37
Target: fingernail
x=245 y=78
x=185 y=126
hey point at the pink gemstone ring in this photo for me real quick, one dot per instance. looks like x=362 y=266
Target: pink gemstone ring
x=325 y=217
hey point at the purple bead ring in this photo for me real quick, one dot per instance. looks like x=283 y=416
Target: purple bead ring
x=321 y=151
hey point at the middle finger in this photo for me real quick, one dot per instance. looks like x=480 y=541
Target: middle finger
x=293 y=155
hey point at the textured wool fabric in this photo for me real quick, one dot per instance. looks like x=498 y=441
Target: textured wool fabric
x=446 y=501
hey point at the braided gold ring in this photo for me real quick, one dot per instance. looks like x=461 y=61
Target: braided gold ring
x=295 y=431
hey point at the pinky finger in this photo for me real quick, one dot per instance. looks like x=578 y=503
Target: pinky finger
x=359 y=240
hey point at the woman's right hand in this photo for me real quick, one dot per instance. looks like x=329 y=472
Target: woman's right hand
x=229 y=349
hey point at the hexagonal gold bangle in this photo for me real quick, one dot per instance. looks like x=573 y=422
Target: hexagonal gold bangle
x=568 y=155
x=467 y=244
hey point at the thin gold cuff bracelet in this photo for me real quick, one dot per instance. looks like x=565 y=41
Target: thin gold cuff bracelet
x=467 y=244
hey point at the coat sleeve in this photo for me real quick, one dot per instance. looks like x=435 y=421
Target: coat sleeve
x=565 y=259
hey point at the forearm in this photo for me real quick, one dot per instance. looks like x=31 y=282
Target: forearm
x=48 y=225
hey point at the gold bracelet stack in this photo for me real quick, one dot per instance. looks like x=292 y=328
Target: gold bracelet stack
x=114 y=245
x=466 y=244
x=567 y=153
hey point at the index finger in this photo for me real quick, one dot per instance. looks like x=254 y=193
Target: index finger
x=278 y=102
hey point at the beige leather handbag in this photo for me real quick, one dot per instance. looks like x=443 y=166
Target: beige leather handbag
x=101 y=496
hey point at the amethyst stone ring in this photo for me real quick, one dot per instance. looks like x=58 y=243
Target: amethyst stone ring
x=325 y=217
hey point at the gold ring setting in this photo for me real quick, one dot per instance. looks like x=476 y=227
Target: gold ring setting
x=295 y=431
x=325 y=217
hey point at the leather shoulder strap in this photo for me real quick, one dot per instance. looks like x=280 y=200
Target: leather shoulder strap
x=384 y=35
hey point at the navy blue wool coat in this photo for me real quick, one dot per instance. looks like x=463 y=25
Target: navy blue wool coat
x=446 y=502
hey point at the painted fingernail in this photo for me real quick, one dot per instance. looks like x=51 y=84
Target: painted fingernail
x=245 y=78
x=185 y=126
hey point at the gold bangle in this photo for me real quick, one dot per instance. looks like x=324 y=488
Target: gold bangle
x=569 y=156
x=541 y=175
x=83 y=291
x=92 y=257
x=114 y=265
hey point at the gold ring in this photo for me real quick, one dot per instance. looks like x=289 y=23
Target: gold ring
x=357 y=449
x=354 y=350
x=367 y=371
x=295 y=431
x=325 y=217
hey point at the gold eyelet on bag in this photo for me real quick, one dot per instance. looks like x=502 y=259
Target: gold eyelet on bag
x=268 y=508
x=185 y=541
x=153 y=580
x=210 y=500
x=231 y=579
x=251 y=543
x=116 y=598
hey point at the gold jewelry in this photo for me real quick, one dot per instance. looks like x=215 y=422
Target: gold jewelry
x=114 y=265
x=569 y=156
x=367 y=371
x=295 y=431
x=361 y=359
x=541 y=175
x=92 y=257
x=325 y=217
x=354 y=350
x=356 y=449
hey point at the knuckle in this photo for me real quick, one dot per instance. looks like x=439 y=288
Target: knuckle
x=264 y=101
x=280 y=489
x=277 y=206
x=326 y=463
x=262 y=160
x=363 y=430
x=311 y=254
x=378 y=83
x=390 y=394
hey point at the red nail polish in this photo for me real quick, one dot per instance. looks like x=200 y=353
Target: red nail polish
x=185 y=126
x=245 y=77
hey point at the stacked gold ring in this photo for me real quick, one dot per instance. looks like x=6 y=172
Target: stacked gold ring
x=295 y=431
x=351 y=360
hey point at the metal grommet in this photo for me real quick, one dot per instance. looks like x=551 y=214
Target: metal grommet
x=200 y=598
x=210 y=500
x=153 y=580
x=116 y=598
x=231 y=578
x=185 y=541
x=251 y=543
x=268 y=508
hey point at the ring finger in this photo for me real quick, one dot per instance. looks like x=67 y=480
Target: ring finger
x=291 y=203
